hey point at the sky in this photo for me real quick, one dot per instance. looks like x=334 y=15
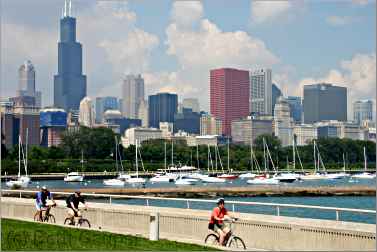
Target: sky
x=174 y=44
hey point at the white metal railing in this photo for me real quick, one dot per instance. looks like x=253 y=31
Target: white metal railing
x=278 y=206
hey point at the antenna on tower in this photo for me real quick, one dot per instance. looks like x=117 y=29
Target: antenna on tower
x=65 y=8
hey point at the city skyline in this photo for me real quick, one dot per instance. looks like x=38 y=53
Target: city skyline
x=352 y=66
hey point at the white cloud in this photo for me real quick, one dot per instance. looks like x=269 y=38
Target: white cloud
x=263 y=11
x=357 y=74
x=186 y=13
x=339 y=20
x=362 y=2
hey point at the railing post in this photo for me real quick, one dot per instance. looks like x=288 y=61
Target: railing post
x=277 y=210
x=337 y=215
x=188 y=204
x=110 y=200
x=154 y=229
x=147 y=202
x=233 y=208
x=20 y=195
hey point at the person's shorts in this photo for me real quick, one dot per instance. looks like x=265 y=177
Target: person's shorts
x=221 y=226
x=73 y=213
x=40 y=207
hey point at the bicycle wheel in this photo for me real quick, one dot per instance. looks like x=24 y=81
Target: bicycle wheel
x=236 y=242
x=212 y=239
x=84 y=223
x=50 y=218
x=67 y=221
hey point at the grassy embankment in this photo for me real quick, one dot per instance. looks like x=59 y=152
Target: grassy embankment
x=22 y=235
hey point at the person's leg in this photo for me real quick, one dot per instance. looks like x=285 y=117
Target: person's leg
x=71 y=215
x=221 y=235
x=39 y=211
x=226 y=232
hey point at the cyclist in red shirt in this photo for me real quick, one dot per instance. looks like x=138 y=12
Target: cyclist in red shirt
x=216 y=222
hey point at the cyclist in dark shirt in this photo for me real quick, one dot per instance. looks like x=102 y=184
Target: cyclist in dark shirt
x=73 y=202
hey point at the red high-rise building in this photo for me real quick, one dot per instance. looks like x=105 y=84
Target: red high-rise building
x=229 y=94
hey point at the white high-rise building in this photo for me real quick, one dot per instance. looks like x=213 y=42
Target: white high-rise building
x=283 y=122
x=86 y=113
x=143 y=113
x=261 y=91
x=362 y=111
x=191 y=103
x=26 y=81
x=133 y=95
x=304 y=133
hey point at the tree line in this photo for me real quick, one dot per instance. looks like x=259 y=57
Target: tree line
x=98 y=149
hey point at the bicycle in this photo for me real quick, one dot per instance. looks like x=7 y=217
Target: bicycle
x=82 y=222
x=47 y=217
x=231 y=240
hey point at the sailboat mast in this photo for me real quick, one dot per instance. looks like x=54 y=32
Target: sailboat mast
x=116 y=154
x=27 y=141
x=19 y=155
x=137 y=170
x=172 y=152
x=365 y=160
x=314 y=157
x=344 y=163
x=197 y=155
x=251 y=154
x=208 y=157
x=264 y=156
x=294 y=155
x=165 y=154
x=228 y=155
x=82 y=160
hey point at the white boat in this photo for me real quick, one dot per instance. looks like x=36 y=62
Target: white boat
x=114 y=182
x=365 y=174
x=24 y=180
x=135 y=179
x=184 y=180
x=339 y=175
x=247 y=175
x=73 y=177
x=263 y=181
x=161 y=178
x=317 y=162
x=123 y=176
x=286 y=177
x=313 y=176
x=208 y=179
x=224 y=175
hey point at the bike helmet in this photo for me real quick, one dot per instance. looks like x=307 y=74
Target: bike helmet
x=220 y=201
x=78 y=192
x=44 y=188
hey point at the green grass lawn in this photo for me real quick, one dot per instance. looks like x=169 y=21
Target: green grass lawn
x=22 y=235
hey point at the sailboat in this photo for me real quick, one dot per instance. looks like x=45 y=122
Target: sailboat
x=288 y=177
x=317 y=161
x=75 y=176
x=265 y=179
x=197 y=174
x=207 y=178
x=339 y=175
x=21 y=181
x=135 y=179
x=225 y=175
x=120 y=180
x=163 y=176
x=365 y=174
x=253 y=161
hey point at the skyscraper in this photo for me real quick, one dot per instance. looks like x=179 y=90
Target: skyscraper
x=276 y=92
x=162 y=108
x=143 y=113
x=324 y=101
x=133 y=95
x=26 y=79
x=191 y=103
x=86 y=114
x=283 y=122
x=362 y=110
x=229 y=96
x=103 y=104
x=295 y=106
x=69 y=83
x=261 y=91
